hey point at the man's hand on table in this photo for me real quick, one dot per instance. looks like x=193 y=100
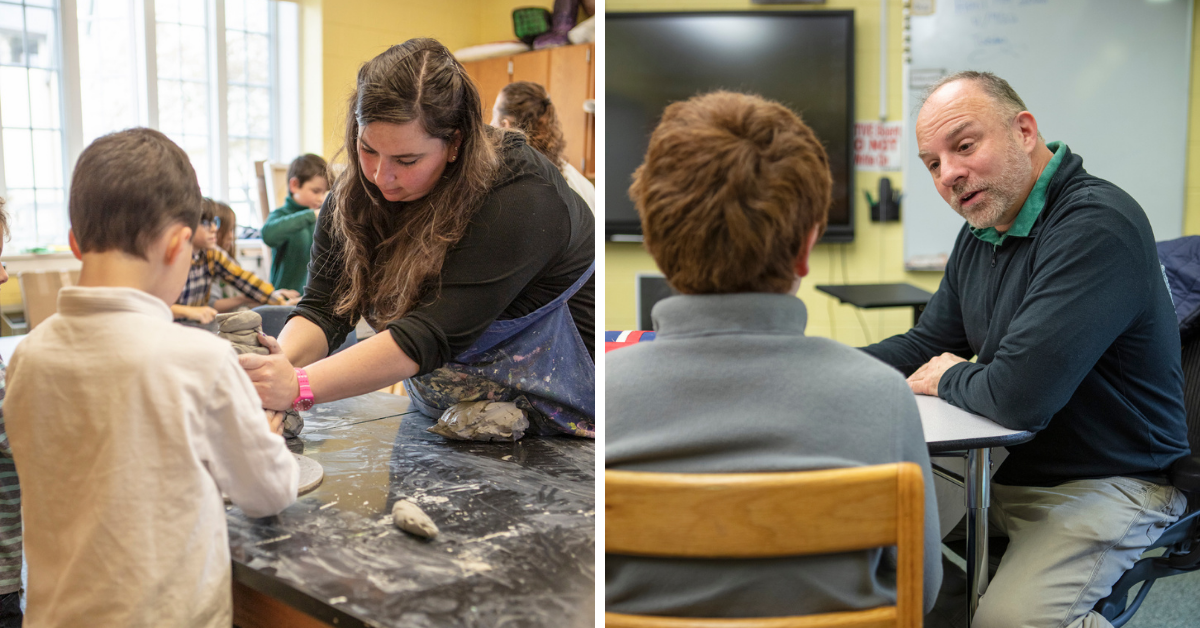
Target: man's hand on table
x=925 y=380
x=272 y=375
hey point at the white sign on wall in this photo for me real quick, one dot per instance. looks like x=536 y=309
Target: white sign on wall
x=877 y=146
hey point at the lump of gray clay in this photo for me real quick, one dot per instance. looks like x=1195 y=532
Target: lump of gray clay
x=239 y=321
x=241 y=337
x=410 y=518
x=292 y=424
x=240 y=349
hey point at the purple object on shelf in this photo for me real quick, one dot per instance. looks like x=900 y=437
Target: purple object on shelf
x=561 y=22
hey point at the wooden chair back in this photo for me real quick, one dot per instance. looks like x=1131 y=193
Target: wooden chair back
x=761 y=515
x=39 y=292
x=272 y=185
x=272 y=189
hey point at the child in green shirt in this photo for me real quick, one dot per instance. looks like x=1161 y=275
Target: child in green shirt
x=289 y=229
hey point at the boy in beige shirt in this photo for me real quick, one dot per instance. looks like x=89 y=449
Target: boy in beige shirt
x=125 y=427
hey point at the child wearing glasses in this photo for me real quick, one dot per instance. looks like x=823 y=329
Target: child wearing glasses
x=210 y=262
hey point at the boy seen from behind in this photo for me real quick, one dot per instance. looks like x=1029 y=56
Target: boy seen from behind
x=127 y=428
x=289 y=229
x=733 y=195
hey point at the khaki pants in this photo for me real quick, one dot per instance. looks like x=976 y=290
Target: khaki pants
x=1068 y=545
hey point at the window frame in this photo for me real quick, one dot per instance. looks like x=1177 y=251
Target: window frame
x=144 y=26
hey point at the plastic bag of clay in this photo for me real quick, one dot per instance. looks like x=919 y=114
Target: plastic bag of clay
x=482 y=420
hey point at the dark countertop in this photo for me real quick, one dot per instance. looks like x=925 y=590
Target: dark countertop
x=517 y=522
x=878 y=294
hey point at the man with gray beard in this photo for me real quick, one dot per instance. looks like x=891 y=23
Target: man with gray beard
x=1054 y=286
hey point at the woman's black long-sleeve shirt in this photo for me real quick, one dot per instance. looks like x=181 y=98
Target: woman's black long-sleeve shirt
x=532 y=238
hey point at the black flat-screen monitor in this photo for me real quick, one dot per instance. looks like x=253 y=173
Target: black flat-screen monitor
x=803 y=59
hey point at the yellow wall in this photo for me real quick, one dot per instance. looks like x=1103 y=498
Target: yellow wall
x=10 y=293
x=496 y=17
x=355 y=31
x=352 y=32
x=876 y=255
x=312 y=79
x=1191 y=203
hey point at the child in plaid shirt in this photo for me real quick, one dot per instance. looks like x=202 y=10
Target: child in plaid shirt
x=10 y=498
x=210 y=261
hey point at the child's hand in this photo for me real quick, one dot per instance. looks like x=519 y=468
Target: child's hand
x=275 y=421
x=200 y=313
x=290 y=295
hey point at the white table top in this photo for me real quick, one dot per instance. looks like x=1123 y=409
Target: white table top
x=948 y=427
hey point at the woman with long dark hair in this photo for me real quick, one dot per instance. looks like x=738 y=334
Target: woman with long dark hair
x=459 y=243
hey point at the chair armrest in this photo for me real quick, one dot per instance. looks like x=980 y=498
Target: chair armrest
x=1185 y=474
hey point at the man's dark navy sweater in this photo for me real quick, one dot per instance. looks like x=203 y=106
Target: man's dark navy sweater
x=1075 y=335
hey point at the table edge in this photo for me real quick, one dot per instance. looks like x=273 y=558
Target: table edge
x=1004 y=440
x=289 y=594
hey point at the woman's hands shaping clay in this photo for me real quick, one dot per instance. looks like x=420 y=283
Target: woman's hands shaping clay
x=262 y=358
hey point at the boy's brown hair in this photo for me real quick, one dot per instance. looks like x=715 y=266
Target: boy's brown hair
x=730 y=187
x=127 y=188
x=306 y=167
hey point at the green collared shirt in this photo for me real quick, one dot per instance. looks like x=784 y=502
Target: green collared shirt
x=1034 y=203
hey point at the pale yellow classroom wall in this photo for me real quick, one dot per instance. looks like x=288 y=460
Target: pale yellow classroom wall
x=352 y=32
x=876 y=255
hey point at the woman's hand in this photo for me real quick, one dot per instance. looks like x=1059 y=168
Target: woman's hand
x=272 y=375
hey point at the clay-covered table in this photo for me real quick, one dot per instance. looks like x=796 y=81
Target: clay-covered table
x=517 y=521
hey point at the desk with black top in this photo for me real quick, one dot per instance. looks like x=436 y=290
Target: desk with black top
x=868 y=296
x=954 y=432
x=517 y=529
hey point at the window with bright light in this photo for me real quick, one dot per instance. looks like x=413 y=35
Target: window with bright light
x=108 y=67
x=251 y=96
x=31 y=129
x=210 y=74
x=184 y=81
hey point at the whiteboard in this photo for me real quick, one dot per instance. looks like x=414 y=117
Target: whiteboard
x=1107 y=77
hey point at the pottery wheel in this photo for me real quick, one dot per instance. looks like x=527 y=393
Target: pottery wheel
x=311 y=475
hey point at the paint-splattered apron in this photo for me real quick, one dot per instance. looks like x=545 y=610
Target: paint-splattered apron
x=538 y=361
